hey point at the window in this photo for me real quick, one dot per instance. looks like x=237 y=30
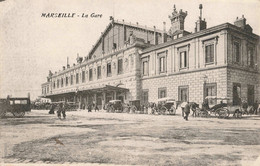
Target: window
x=236 y=94
x=77 y=78
x=250 y=57
x=183 y=93
x=71 y=80
x=145 y=68
x=250 y=94
x=90 y=75
x=183 y=59
x=162 y=62
x=98 y=72
x=58 y=83
x=67 y=81
x=162 y=93
x=54 y=85
x=120 y=66
x=236 y=52
x=83 y=76
x=210 y=90
x=209 y=53
x=47 y=89
x=109 y=72
x=61 y=80
x=145 y=96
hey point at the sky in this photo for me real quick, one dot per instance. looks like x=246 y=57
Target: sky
x=31 y=45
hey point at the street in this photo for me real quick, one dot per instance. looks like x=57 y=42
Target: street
x=129 y=139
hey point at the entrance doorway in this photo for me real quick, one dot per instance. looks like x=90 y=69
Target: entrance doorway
x=236 y=94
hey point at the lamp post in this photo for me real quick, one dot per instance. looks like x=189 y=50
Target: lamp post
x=205 y=77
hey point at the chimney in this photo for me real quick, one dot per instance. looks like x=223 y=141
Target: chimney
x=241 y=23
x=155 y=36
x=164 y=35
x=200 y=24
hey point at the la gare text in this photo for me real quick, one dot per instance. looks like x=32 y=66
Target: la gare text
x=70 y=15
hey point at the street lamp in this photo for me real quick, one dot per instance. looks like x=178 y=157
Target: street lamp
x=205 y=78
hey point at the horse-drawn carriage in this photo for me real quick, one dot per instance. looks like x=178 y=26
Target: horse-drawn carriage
x=16 y=106
x=167 y=106
x=223 y=109
x=114 y=106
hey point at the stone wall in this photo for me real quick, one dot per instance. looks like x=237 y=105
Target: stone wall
x=193 y=79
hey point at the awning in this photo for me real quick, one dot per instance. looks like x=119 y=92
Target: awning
x=98 y=89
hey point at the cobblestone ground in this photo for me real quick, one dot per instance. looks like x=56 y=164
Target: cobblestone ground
x=128 y=139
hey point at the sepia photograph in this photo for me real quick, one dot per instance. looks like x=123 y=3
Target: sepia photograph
x=130 y=82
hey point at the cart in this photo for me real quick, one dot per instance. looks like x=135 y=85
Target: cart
x=167 y=106
x=17 y=106
x=114 y=106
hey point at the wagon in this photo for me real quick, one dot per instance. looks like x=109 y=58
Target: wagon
x=114 y=106
x=167 y=106
x=224 y=108
x=16 y=106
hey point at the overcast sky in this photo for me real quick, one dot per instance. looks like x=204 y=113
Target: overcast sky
x=31 y=45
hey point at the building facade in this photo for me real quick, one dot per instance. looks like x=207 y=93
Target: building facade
x=133 y=62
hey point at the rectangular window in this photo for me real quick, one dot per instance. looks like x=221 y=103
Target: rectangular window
x=183 y=59
x=209 y=53
x=54 y=85
x=83 y=76
x=47 y=89
x=99 y=72
x=145 y=68
x=58 y=83
x=211 y=90
x=162 y=92
x=90 y=75
x=77 y=78
x=109 y=71
x=67 y=81
x=162 y=64
x=120 y=66
x=183 y=93
x=250 y=57
x=71 y=80
x=145 y=96
x=61 y=80
x=236 y=52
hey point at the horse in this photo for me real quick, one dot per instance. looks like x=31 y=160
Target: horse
x=194 y=107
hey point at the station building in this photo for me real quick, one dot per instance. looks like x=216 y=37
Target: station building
x=134 y=62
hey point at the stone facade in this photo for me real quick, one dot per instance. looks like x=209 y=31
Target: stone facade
x=148 y=64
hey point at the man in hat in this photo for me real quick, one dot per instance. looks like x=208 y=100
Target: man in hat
x=187 y=110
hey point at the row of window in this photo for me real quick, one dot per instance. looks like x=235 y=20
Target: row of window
x=65 y=81
x=183 y=92
x=210 y=56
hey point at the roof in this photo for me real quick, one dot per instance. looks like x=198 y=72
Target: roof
x=197 y=34
x=122 y=23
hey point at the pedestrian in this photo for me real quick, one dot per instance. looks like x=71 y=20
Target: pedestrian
x=59 y=110
x=244 y=107
x=89 y=108
x=255 y=107
x=187 y=111
x=96 y=108
x=63 y=111
x=52 y=109
x=183 y=104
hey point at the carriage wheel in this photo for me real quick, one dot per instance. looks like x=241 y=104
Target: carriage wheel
x=222 y=112
x=173 y=111
x=163 y=110
x=2 y=114
x=18 y=114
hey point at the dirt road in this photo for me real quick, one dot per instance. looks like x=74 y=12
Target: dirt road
x=132 y=139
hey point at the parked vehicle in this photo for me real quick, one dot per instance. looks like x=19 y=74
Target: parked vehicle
x=135 y=106
x=114 y=106
x=167 y=106
x=224 y=108
x=16 y=106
